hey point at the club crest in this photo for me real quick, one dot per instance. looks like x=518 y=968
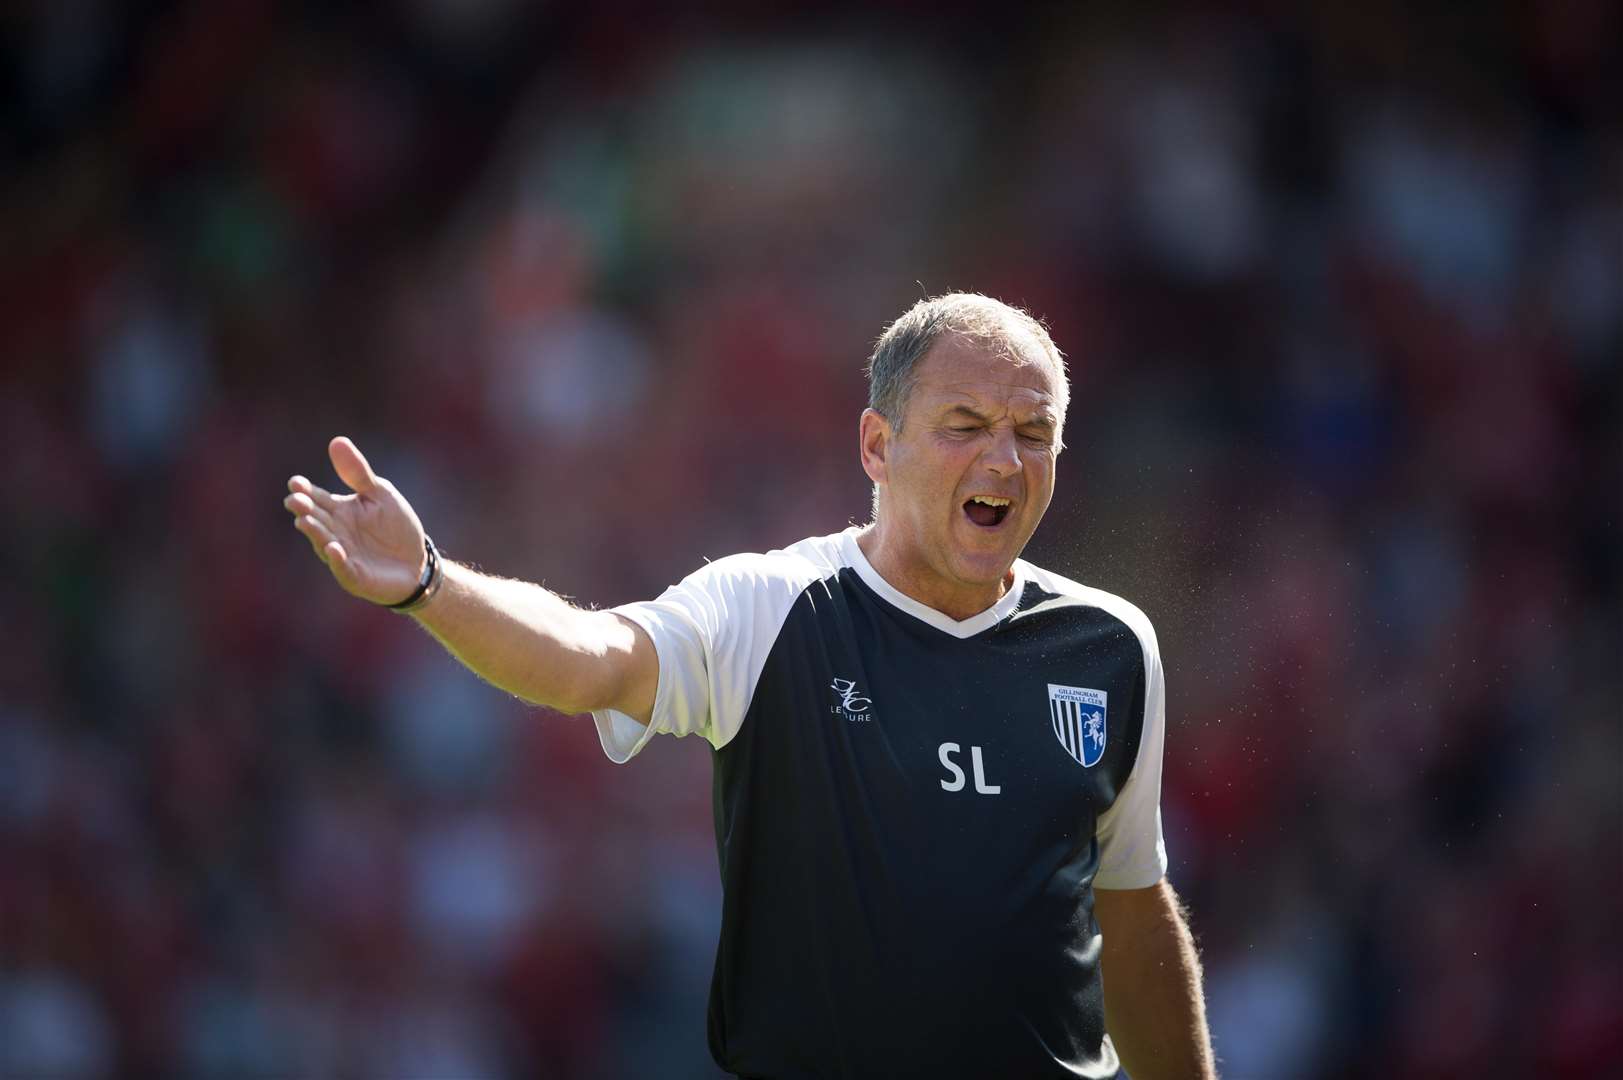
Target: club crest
x=1079 y=715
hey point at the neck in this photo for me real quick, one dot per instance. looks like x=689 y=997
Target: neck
x=908 y=573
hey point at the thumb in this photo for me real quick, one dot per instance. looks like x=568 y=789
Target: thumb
x=351 y=465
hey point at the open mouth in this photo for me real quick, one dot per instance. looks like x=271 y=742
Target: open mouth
x=987 y=511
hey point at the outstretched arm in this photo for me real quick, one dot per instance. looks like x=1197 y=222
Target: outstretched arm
x=1154 y=1008
x=524 y=639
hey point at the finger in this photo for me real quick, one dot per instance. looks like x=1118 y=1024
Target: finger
x=351 y=465
x=327 y=548
x=303 y=504
x=311 y=530
x=301 y=485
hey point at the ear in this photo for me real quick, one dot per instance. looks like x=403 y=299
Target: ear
x=874 y=434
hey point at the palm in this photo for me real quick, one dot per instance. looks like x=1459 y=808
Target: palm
x=371 y=540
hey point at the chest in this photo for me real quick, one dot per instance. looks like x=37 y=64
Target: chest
x=1037 y=718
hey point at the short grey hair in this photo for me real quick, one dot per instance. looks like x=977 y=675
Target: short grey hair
x=892 y=369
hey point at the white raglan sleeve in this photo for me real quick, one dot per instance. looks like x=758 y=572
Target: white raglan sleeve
x=1132 y=850
x=712 y=633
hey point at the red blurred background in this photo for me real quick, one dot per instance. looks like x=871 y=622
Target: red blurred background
x=1342 y=293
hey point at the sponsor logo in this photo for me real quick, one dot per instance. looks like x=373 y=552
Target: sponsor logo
x=1078 y=716
x=854 y=705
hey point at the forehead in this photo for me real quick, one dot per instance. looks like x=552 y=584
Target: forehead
x=960 y=369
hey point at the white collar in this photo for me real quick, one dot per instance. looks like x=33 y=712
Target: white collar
x=923 y=612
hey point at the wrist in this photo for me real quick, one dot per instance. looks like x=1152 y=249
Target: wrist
x=428 y=582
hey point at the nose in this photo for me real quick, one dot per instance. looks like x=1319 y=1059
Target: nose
x=1002 y=457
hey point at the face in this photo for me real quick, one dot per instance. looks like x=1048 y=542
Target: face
x=980 y=428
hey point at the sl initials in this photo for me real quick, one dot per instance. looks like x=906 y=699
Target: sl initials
x=948 y=749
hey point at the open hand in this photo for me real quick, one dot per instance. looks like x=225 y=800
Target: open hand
x=371 y=540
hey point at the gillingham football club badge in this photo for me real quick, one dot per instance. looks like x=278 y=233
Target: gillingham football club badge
x=1079 y=721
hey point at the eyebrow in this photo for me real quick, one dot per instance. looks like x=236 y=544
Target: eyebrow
x=1041 y=421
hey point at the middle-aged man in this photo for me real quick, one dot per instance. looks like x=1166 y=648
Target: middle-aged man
x=937 y=767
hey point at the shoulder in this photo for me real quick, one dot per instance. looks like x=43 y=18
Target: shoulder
x=789 y=569
x=1074 y=592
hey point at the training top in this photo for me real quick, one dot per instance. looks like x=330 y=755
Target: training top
x=911 y=811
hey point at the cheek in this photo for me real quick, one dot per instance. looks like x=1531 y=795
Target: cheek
x=1040 y=469
x=934 y=474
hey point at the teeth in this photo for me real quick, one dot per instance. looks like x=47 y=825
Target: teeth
x=990 y=500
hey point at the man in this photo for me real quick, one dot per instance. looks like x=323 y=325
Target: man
x=937 y=767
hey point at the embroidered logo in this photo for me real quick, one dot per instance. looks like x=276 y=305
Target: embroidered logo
x=1078 y=715
x=854 y=705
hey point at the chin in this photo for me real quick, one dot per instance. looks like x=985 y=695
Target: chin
x=983 y=569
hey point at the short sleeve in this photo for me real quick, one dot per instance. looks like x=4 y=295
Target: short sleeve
x=1132 y=850
x=712 y=633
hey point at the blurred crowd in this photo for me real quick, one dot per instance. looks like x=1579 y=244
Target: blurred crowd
x=1342 y=295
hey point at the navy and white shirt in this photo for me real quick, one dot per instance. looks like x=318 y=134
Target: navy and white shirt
x=911 y=811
